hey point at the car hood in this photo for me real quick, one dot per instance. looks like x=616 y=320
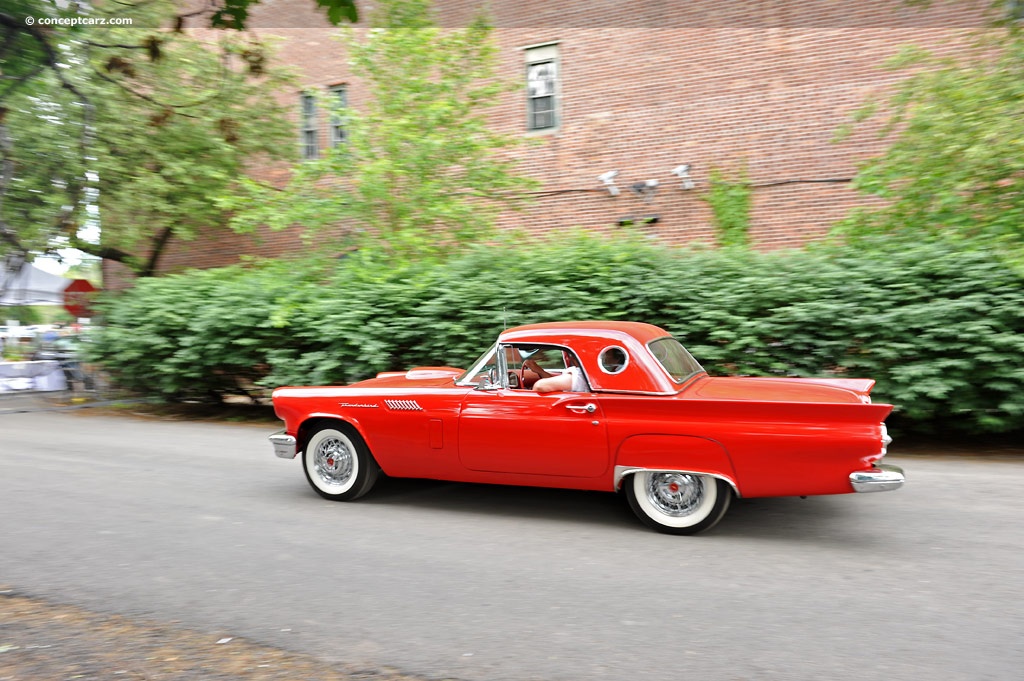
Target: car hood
x=828 y=390
x=425 y=377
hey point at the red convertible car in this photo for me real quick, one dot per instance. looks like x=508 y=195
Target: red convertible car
x=616 y=406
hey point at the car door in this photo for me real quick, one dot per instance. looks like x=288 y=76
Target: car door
x=505 y=430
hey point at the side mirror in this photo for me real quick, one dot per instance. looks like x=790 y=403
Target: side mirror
x=490 y=381
x=487 y=384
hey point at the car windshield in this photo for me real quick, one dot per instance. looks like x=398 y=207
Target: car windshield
x=674 y=359
x=485 y=365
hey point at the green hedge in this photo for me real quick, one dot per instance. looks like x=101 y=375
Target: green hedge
x=941 y=331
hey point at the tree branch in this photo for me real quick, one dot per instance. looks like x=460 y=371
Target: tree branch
x=158 y=248
x=152 y=100
x=18 y=82
x=115 y=46
x=50 y=56
x=101 y=251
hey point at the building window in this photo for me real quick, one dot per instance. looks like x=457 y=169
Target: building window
x=310 y=148
x=542 y=87
x=339 y=101
x=1015 y=10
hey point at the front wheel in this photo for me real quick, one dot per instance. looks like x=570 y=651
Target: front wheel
x=339 y=465
x=678 y=503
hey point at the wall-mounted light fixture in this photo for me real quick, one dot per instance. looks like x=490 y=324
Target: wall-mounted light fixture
x=608 y=179
x=683 y=173
x=646 y=188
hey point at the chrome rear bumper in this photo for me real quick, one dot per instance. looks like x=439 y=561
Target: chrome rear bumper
x=881 y=478
x=284 y=444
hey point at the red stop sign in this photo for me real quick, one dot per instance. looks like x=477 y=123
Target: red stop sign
x=77 y=298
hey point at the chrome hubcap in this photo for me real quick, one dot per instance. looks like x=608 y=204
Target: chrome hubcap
x=333 y=461
x=675 y=494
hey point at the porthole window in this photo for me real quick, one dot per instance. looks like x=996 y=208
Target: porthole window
x=613 y=360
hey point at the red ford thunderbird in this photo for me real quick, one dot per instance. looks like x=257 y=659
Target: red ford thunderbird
x=616 y=406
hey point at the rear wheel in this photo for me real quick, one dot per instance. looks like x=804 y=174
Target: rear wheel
x=678 y=503
x=338 y=464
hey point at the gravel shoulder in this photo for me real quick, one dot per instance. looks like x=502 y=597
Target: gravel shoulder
x=42 y=641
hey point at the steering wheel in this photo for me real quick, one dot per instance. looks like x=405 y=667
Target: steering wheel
x=525 y=355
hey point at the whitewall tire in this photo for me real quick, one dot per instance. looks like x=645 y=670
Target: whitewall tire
x=338 y=464
x=677 y=503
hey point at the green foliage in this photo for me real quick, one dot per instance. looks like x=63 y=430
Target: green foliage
x=25 y=315
x=730 y=198
x=195 y=335
x=420 y=170
x=230 y=118
x=143 y=125
x=234 y=14
x=940 y=330
x=955 y=169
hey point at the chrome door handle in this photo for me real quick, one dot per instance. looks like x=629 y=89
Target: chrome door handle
x=588 y=408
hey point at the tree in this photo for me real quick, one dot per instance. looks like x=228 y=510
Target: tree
x=132 y=129
x=420 y=171
x=84 y=121
x=955 y=169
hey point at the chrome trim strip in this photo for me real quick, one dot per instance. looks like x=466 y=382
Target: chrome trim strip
x=881 y=478
x=622 y=471
x=284 y=445
x=650 y=393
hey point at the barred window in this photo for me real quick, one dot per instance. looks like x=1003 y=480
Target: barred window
x=339 y=100
x=542 y=87
x=310 y=147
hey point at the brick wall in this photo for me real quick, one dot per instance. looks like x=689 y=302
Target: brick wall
x=649 y=85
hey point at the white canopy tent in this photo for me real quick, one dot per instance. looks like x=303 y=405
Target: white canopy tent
x=31 y=286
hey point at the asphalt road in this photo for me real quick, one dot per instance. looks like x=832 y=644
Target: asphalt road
x=198 y=524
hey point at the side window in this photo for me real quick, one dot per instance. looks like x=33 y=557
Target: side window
x=542 y=87
x=553 y=360
x=613 y=360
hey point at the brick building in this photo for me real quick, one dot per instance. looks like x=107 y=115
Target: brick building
x=645 y=87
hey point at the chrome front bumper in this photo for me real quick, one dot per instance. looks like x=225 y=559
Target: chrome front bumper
x=284 y=444
x=881 y=478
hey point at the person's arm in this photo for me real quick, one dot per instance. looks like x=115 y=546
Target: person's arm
x=560 y=383
x=537 y=369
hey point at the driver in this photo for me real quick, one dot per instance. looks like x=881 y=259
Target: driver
x=570 y=380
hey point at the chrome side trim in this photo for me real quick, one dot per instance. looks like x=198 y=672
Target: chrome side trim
x=881 y=478
x=622 y=471
x=284 y=445
x=403 y=405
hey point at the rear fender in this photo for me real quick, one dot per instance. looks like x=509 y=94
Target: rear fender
x=677 y=453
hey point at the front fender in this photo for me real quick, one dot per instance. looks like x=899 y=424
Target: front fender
x=681 y=453
x=309 y=421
